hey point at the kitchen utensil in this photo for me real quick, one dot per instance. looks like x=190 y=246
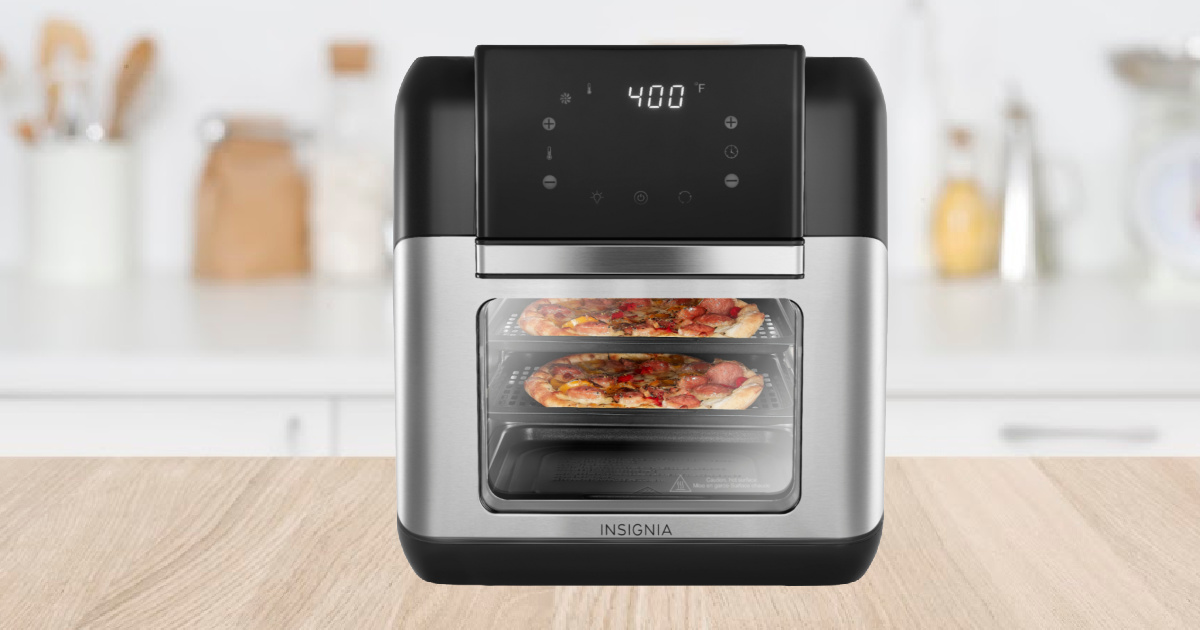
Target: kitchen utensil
x=653 y=172
x=26 y=130
x=251 y=206
x=1024 y=239
x=136 y=66
x=64 y=59
x=6 y=86
x=53 y=101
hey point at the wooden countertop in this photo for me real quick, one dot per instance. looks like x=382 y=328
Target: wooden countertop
x=312 y=543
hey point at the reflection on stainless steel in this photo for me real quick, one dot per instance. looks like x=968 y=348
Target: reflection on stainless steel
x=786 y=259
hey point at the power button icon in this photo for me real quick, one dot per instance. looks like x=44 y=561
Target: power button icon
x=640 y=197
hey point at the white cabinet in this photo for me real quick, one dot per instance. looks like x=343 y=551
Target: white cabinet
x=365 y=427
x=1043 y=427
x=165 y=427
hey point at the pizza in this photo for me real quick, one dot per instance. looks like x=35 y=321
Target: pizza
x=644 y=381
x=641 y=317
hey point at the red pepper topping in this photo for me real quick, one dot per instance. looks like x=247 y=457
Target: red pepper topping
x=618 y=315
x=628 y=306
x=734 y=311
x=644 y=370
x=739 y=381
x=624 y=378
x=657 y=401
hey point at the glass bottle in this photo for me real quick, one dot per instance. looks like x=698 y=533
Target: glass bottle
x=965 y=227
x=350 y=183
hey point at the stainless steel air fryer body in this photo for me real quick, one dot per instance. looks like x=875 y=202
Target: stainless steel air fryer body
x=494 y=488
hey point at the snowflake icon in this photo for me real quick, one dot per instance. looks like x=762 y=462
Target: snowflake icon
x=565 y=97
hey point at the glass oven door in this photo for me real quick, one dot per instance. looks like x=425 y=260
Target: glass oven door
x=640 y=404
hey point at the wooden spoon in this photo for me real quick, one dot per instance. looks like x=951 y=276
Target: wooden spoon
x=61 y=37
x=135 y=68
x=57 y=34
x=26 y=130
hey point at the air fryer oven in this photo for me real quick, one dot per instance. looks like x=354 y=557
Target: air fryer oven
x=607 y=190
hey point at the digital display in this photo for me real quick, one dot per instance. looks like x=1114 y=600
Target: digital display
x=654 y=100
x=648 y=143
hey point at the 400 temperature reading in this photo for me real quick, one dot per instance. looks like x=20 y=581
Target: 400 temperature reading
x=673 y=96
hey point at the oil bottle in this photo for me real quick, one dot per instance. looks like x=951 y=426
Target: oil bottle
x=965 y=227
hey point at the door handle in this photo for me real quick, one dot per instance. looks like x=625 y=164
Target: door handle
x=1030 y=433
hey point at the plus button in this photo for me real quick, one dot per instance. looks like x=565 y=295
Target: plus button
x=731 y=121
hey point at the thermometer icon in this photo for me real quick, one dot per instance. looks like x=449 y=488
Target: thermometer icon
x=549 y=156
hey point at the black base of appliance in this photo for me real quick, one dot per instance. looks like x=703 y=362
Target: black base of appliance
x=643 y=562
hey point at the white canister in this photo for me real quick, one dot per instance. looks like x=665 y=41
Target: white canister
x=81 y=211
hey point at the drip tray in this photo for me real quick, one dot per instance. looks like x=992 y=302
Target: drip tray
x=663 y=464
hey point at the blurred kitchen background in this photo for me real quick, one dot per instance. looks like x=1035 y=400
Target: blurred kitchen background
x=195 y=199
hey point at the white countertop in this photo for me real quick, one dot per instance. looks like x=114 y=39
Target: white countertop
x=1092 y=337
x=171 y=336
x=168 y=336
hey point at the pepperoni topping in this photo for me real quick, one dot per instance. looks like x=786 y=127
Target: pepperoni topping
x=639 y=330
x=629 y=398
x=692 y=381
x=654 y=392
x=682 y=401
x=720 y=306
x=634 y=303
x=603 y=380
x=564 y=372
x=654 y=366
x=624 y=378
x=706 y=392
x=609 y=316
x=739 y=381
x=691 y=312
x=556 y=311
x=664 y=325
x=725 y=373
x=713 y=319
x=598 y=304
x=696 y=367
x=592 y=328
x=696 y=330
x=586 y=394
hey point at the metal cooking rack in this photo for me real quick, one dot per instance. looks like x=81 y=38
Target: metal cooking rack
x=506 y=393
x=775 y=333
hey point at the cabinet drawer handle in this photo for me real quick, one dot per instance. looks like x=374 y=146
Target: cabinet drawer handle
x=292 y=431
x=1027 y=433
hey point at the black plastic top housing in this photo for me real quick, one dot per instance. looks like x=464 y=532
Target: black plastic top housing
x=840 y=176
x=656 y=143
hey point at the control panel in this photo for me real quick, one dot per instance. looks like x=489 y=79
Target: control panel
x=639 y=143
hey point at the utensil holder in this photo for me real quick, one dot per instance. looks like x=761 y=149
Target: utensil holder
x=82 y=207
